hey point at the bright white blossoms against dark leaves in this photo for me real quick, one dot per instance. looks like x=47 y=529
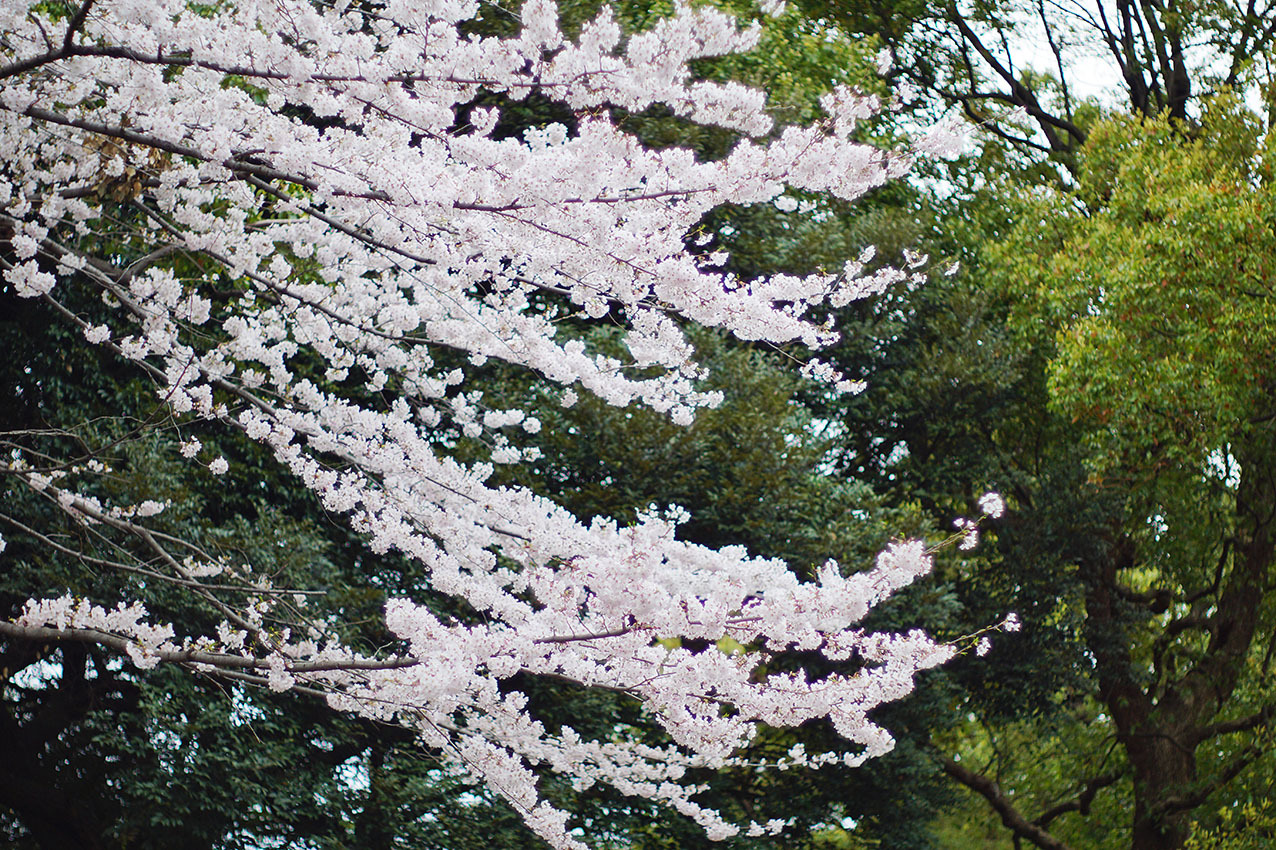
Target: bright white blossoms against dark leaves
x=993 y=507
x=393 y=234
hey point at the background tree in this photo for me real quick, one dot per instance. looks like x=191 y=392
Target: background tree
x=1050 y=369
x=989 y=59
x=1183 y=438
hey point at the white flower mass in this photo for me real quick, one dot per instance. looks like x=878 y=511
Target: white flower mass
x=391 y=236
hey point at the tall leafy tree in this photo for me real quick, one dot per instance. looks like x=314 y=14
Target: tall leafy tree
x=1099 y=359
x=1158 y=299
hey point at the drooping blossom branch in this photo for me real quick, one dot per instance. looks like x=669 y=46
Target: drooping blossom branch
x=350 y=235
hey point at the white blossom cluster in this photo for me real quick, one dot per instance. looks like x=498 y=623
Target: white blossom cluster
x=326 y=164
x=125 y=619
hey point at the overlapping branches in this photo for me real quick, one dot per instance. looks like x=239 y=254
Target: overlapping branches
x=291 y=234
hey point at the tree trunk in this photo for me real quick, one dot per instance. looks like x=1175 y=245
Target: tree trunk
x=1161 y=738
x=1164 y=770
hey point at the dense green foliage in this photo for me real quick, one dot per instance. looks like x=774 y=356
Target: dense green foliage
x=1103 y=359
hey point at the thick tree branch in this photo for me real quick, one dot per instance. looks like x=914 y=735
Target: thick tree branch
x=1263 y=717
x=239 y=164
x=75 y=23
x=1001 y=804
x=1187 y=802
x=1082 y=802
x=1020 y=93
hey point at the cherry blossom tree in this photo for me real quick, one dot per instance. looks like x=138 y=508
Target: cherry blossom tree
x=293 y=219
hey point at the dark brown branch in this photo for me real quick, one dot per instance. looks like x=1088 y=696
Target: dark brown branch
x=1112 y=41
x=54 y=54
x=1203 y=791
x=236 y=164
x=73 y=26
x=1001 y=804
x=1245 y=49
x=1260 y=718
x=183 y=59
x=1022 y=95
x=1058 y=57
x=1081 y=803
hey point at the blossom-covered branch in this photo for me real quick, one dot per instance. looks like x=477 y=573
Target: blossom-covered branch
x=295 y=233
